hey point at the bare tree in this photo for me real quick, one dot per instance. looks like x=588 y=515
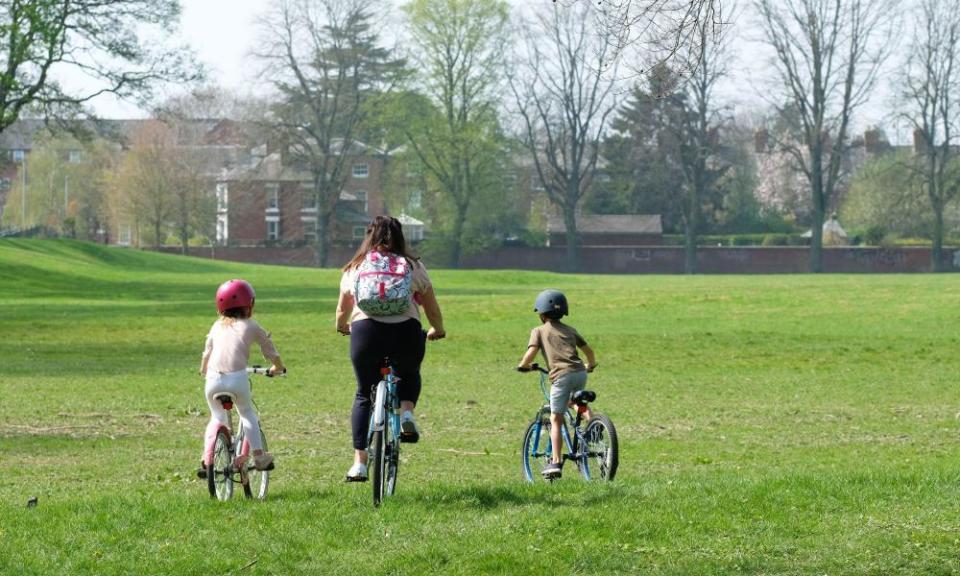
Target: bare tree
x=325 y=59
x=103 y=41
x=699 y=131
x=929 y=85
x=827 y=56
x=644 y=34
x=564 y=100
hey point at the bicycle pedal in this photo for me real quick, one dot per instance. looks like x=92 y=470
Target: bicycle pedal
x=202 y=473
x=267 y=469
x=409 y=438
x=356 y=479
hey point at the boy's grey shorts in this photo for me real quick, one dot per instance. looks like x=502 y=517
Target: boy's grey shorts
x=563 y=387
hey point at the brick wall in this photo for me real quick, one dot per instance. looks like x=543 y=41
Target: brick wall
x=713 y=260
x=643 y=260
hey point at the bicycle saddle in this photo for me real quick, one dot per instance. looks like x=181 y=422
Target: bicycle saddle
x=583 y=397
x=226 y=401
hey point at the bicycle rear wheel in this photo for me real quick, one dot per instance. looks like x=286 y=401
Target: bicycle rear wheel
x=220 y=470
x=391 y=456
x=602 y=450
x=257 y=480
x=536 y=452
x=378 y=461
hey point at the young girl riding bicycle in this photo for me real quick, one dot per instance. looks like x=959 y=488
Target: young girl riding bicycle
x=225 y=357
x=568 y=373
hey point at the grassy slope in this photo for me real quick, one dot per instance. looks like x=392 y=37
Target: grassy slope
x=778 y=425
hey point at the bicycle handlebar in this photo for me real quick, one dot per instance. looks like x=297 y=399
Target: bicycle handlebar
x=532 y=368
x=257 y=369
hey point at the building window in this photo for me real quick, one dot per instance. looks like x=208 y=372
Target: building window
x=222 y=192
x=361 y=170
x=273 y=229
x=273 y=196
x=17 y=155
x=309 y=200
x=359 y=232
x=362 y=197
x=74 y=156
x=310 y=231
x=223 y=230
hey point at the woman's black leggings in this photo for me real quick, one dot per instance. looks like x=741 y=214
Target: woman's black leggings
x=370 y=343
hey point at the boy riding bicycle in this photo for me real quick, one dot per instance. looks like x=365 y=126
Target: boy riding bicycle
x=558 y=342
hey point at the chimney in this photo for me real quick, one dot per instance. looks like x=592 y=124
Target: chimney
x=761 y=140
x=919 y=143
x=871 y=141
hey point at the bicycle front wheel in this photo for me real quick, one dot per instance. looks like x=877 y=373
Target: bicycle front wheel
x=378 y=461
x=601 y=449
x=257 y=481
x=220 y=470
x=536 y=452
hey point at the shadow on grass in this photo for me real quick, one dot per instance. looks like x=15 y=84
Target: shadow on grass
x=571 y=493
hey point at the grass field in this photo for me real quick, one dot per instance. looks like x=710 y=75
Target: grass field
x=768 y=425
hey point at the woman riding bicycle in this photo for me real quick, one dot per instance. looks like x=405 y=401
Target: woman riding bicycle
x=381 y=291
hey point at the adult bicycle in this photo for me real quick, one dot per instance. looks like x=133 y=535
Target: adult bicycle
x=592 y=445
x=227 y=458
x=383 y=438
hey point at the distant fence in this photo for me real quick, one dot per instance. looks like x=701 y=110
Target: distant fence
x=638 y=260
x=716 y=260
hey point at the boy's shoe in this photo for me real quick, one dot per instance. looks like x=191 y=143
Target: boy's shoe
x=553 y=470
x=263 y=461
x=409 y=431
x=202 y=471
x=357 y=473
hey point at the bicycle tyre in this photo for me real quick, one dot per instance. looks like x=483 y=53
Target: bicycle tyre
x=220 y=469
x=258 y=481
x=378 y=462
x=603 y=456
x=391 y=457
x=536 y=451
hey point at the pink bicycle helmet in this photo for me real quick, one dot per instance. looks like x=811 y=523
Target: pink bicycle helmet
x=235 y=293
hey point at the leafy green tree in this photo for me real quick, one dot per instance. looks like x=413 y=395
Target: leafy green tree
x=887 y=198
x=325 y=59
x=453 y=131
x=104 y=41
x=65 y=186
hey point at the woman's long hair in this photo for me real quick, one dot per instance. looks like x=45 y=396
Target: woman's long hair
x=385 y=232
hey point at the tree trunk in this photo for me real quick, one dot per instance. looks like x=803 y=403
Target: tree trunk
x=570 y=224
x=691 y=223
x=936 y=254
x=457 y=236
x=322 y=251
x=819 y=208
x=156 y=241
x=184 y=242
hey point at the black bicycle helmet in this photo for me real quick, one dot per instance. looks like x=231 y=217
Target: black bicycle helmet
x=551 y=303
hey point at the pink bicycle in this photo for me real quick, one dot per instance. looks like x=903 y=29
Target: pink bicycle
x=227 y=458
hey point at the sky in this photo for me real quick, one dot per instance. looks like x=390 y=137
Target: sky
x=223 y=32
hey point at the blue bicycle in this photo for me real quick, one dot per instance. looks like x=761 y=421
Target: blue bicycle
x=592 y=447
x=383 y=440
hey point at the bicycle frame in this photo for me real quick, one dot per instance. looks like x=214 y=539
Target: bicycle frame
x=383 y=436
x=570 y=422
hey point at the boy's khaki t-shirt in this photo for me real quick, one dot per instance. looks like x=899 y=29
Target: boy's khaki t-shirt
x=559 y=343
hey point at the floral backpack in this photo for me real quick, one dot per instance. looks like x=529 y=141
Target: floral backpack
x=384 y=284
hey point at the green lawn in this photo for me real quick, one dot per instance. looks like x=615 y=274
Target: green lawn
x=768 y=425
